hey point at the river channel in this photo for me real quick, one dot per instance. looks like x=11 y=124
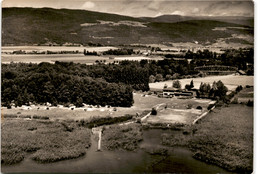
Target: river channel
x=178 y=160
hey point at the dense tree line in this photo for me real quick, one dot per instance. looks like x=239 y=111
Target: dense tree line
x=127 y=72
x=217 y=91
x=123 y=51
x=239 y=58
x=89 y=52
x=168 y=69
x=24 y=83
x=230 y=57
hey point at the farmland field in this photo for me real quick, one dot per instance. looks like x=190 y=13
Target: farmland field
x=76 y=58
x=230 y=81
x=53 y=48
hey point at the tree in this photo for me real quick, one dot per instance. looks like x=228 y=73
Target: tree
x=191 y=84
x=154 y=111
x=176 y=84
x=175 y=76
x=158 y=77
x=187 y=87
x=168 y=77
x=79 y=102
x=151 y=79
x=221 y=89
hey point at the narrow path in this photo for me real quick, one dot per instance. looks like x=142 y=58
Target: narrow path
x=202 y=115
x=97 y=131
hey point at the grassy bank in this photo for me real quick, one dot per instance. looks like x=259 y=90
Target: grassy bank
x=122 y=137
x=224 y=138
x=48 y=141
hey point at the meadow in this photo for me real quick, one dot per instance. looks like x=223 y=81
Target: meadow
x=177 y=108
x=9 y=49
x=230 y=81
x=76 y=58
x=245 y=95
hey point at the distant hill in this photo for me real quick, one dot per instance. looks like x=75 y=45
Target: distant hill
x=247 y=21
x=26 y=26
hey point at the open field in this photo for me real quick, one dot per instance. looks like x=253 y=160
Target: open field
x=49 y=141
x=177 y=116
x=9 y=49
x=230 y=81
x=140 y=104
x=245 y=95
x=76 y=58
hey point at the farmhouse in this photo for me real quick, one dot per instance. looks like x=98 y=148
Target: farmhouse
x=171 y=91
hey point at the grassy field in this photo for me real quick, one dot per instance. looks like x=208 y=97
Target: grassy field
x=45 y=141
x=9 y=49
x=76 y=58
x=245 y=95
x=140 y=104
x=230 y=81
x=178 y=116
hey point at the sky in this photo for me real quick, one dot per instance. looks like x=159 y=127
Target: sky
x=149 y=8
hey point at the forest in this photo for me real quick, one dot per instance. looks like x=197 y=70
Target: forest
x=59 y=83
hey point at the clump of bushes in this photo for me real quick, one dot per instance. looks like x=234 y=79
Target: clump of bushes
x=26 y=116
x=57 y=154
x=239 y=88
x=122 y=137
x=235 y=101
x=250 y=103
x=154 y=111
x=40 y=117
x=10 y=116
x=99 y=121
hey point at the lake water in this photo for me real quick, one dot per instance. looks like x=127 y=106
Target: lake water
x=178 y=160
